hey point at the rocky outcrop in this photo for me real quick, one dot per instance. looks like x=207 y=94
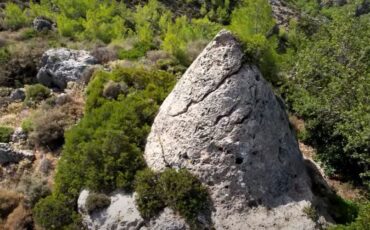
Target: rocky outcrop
x=120 y=215
x=8 y=155
x=60 y=66
x=18 y=94
x=224 y=124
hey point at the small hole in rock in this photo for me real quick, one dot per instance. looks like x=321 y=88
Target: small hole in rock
x=239 y=160
x=257 y=77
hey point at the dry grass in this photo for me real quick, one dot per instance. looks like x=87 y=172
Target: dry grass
x=9 y=200
x=20 y=218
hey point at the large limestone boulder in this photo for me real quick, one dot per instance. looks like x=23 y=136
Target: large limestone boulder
x=224 y=124
x=60 y=66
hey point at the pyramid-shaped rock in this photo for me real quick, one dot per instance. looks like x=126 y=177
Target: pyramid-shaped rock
x=224 y=124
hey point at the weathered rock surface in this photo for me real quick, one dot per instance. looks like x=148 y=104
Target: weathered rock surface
x=224 y=124
x=363 y=8
x=167 y=220
x=122 y=213
x=60 y=66
x=18 y=94
x=9 y=155
x=42 y=24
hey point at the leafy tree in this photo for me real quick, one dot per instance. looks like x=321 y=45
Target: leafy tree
x=330 y=91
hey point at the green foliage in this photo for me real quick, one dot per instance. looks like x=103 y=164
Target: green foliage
x=5 y=134
x=15 y=18
x=97 y=201
x=36 y=93
x=139 y=50
x=4 y=55
x=109 y=141
x=330 y=91
x=148 y=200
x=183 y=31
x=362 y=221
x=53 y=212
x=176 y=189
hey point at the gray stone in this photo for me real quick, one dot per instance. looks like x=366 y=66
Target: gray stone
x=224 y=124
x=8 y=155
x=18 y=95
x=121 y=214
x=19 y=135
x=41 y=24
x=362 y=9
x=167 y=220
x=60 y=66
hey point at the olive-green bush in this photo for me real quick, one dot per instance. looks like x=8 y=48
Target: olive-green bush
x=177 y=189
x=36 y=93
x=97 y=201
x=109 y=141
x=5 y=134
x=362 y=221
x=15 y=18
x=329 y=89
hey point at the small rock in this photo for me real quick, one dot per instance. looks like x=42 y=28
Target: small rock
x=168 y=220
x=60 y=66
x=18 y=94
x=42 y=24
x=62 y=99
x=19 y=135
x=9 y=155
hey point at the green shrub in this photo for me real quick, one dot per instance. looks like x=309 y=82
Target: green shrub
x=329 y=90
x=5 y=134
x=110 y=139
x=362 y=221
x=15 y=18
x=53 y=212
x=148 y=199
x=36 y=93
x=139 y=50
x=183 y=192
x=178 y=190
x=96 y=201
x=4 y=55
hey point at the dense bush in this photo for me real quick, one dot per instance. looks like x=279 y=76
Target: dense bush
x=177 y=189
x=362 y=221
x=53 y=212
x=109 y=141
x=97 y=201
x=36 y=93
x=329 y=89
x=5 y=134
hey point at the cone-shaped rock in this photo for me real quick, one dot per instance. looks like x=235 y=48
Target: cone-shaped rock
x=224 y=124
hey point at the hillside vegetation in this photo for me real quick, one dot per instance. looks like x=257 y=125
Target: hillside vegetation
x=319 y=63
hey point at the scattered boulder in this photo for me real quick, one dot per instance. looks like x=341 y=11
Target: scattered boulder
x=19 y=135
x=62 y=99
x=8 y=155
x=42 y=24
x=121 y=214
x=60 y=66
x=223 y=123
x=18 y=94
x=362 y=9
